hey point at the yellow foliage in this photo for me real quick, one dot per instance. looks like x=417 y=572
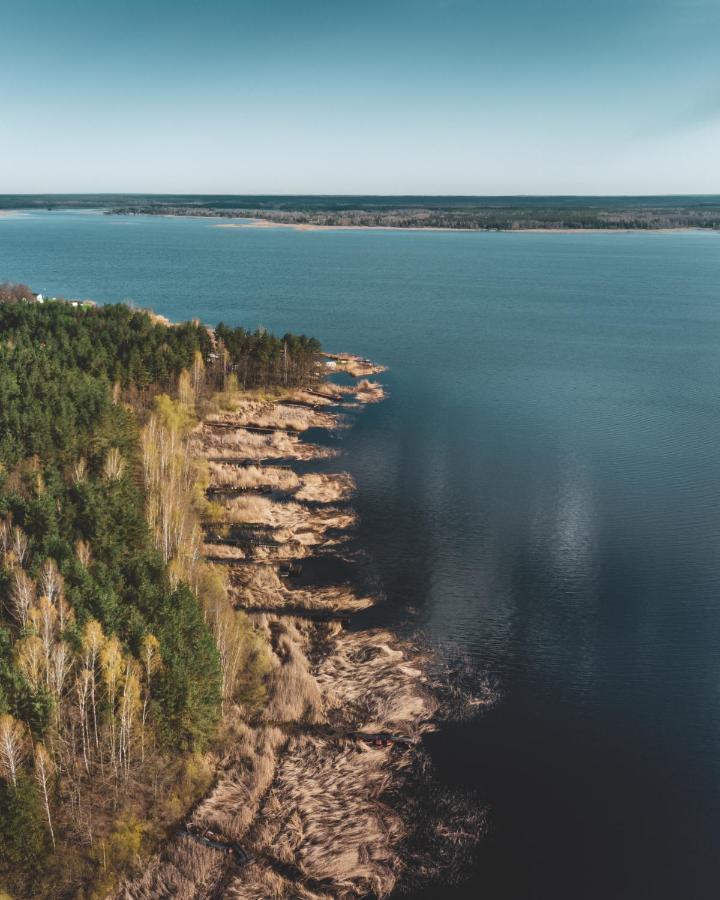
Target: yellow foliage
x=93 y=637
x=212 y=586
x=173 y=414
x=119 y=852
x=197 y=776
x=30 y=659
x=111 y=664
x=254 y=674
x=150 y=655
x=186 y=392
x=213 y=512
x=232 y=386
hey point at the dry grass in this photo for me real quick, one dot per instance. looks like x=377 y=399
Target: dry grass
x=278 y=415
x=261 y=586
x=368 y=678
x=188 y=871
x=259 y=882
x=313 y=487
x=248 y=772
x=308 y=804
x=296 y=696
x=323 y=815
x=369 y=391
x=255 y=510
x=259 y=552
x=232 y=477
x=249 y=509
x=228 y=443
x=318 y=487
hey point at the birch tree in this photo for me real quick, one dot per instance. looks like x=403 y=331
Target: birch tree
x=82 y=692
x=93 y=641
x=151 y=662
x=13 y=747
x=44 y=617
x=44 y=768
x=51 y=581
x=19 y=545
x=60 y=661
x=129 y=708
x=30 y=659
x=111 y=666
x=22 y=596
x=114 y=466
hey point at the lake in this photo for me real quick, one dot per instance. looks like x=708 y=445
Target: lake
x=540 y=495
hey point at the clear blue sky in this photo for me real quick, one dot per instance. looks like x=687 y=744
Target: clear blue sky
x=368 y=96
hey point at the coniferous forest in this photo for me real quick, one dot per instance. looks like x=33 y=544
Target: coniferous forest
x=115 y=636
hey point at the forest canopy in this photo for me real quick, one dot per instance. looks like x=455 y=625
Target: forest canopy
x=108 y=650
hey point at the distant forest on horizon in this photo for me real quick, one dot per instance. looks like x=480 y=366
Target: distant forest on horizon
x=459 y=212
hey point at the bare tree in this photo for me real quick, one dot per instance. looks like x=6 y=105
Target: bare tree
x=114 y=465
x=151 y=662
x=22 y=596
x=30 y=657
x=111 y=665
x=51 y=581
x=129 y=707
x=19 y=545
x=60 y=662
x=13 y=747
x=44 y=768
x=92 y=643
x=44 y=617
x=82 y=691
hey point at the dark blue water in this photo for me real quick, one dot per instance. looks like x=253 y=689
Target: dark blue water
x=541 y=492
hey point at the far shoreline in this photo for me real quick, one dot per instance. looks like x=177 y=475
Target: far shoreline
x=307 y=226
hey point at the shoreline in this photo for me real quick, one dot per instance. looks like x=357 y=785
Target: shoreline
x=301 y=226
x=306 y=226
x=314 y=786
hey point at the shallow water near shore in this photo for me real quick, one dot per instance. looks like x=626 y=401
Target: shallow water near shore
x=540 y=494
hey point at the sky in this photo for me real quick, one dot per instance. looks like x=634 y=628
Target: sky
x=360 y=96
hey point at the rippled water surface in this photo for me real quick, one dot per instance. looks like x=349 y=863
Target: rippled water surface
x=540 y=493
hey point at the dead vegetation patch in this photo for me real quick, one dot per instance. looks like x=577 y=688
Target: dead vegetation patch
x=369 y=391
x=368 y=678
x=324 y=815
x=254 y=552
x=261 y=586
x=226 y=476
x=323 y=488
x=281 y=416
x=313 y=487
x=289 y=516
x=230 y=443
